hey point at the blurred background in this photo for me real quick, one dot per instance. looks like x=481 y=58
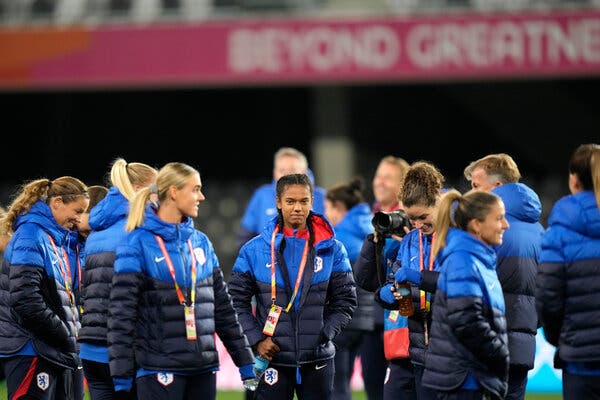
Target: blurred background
x=222 y=84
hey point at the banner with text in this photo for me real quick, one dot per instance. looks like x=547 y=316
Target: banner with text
x=304 y=51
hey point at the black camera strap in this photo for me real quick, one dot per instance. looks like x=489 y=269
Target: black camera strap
x=378 y=257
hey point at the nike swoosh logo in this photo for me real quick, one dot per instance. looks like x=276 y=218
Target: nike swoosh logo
x=318 y=367
x=268 y=265
x=412 y=258
x=54 y=260
x=158 y=259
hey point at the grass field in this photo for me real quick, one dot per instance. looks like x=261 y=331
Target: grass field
x=237 y=395
x=361 y=396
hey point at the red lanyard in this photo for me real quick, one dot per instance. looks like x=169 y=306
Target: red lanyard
x=66 y=275
x=421 y=263
x=300 y=270
x=180 y=295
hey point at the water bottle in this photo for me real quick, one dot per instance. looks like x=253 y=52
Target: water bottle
x=407 y=307
x=260 y=365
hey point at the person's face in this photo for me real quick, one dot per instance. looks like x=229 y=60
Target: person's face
x=422 y=218
x=84 y=227
x=333 y=212
x=386 y=184
x=189 y=196
x=295 y=203
x=481 y=181
x=287 y=165
x=68 y=215
x=491 y=229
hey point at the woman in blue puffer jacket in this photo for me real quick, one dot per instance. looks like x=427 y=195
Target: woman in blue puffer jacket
x=468 y=355
x=168 y=298
x=38 y=314
x=568 y=283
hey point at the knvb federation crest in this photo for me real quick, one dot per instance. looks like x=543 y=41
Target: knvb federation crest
x=43 y=381
x=164 y=378
x=318 y=264
x=271 y=376
x=200 y=256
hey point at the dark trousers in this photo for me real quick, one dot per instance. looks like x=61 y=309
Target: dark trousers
x=280 y=383
x=399 y=381
x=163 y=386
x=373 y=363
x=517 y=383
x=576 y=387
x=100 y=383
x=461 y=394
x=423 y=392
x=347 y=346
x=31 y=377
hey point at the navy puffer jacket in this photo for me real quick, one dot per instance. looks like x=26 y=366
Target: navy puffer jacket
x=323 y=306
x=34 y=304
x=517 y=268
x=107 y=220
x=468 y=330
x=146 y=324
x=568 y=289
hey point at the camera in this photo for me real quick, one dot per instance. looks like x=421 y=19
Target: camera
x=391 y=223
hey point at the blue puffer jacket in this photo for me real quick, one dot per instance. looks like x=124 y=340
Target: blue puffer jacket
x=146 y=324
x=107 y=220
x=568 y=290
x=351 y=231
x=34 y=304
x=517 y=267
x=468 y=330
x=323 y=306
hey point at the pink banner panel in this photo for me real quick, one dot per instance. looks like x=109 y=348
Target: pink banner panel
x=289 y=51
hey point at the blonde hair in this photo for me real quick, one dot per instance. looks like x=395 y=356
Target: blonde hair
x=66 y=187
x=172 y=174
x=124 y=176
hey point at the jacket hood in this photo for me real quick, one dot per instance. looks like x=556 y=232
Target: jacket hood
x=578 y=212
x=41 y=215
x=109 y=210
x=520 y=201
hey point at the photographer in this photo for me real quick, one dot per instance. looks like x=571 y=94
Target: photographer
x=420 y=195
x=377 y=255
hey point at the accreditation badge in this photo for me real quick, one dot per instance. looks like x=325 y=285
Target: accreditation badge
x=393 y=316
x=190 y=323
x=272 y=320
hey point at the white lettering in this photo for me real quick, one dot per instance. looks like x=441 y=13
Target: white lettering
x=508 y=43
x=534 y=31
x=479 y=44
x=590 y=40
x=323 y=49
